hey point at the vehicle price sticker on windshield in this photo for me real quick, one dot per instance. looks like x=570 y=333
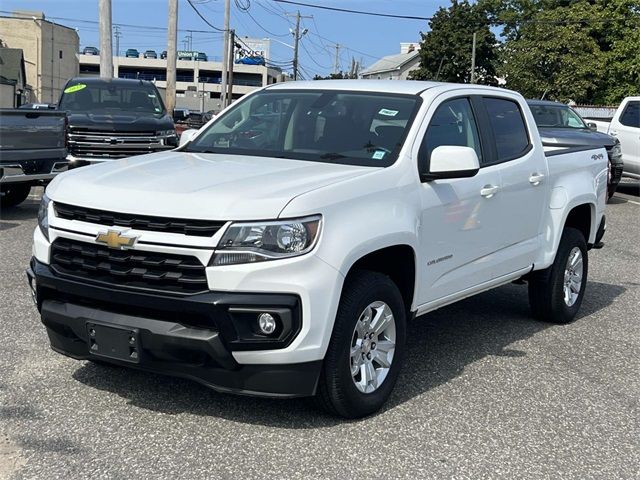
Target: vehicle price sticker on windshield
x=387 y=112
x=75 y=88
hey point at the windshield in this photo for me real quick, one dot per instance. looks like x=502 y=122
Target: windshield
x=93 y=97
x=354 y=128
x=556 y=116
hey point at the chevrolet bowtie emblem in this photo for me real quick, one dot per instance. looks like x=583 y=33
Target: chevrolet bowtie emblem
x=116 y=239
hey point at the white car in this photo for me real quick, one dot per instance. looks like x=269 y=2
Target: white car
x=282 y=249
x=625 y=125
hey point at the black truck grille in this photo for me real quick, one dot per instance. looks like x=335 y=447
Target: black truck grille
x=199 y=228
x=128 y=268
x=99 y=145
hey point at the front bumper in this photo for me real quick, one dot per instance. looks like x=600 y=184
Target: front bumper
x=189 y=337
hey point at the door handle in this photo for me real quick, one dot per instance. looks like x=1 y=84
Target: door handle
x=489 y=191
x=613 y=133
x=536 y=178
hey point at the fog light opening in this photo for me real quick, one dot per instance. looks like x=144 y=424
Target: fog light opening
x=267 y=323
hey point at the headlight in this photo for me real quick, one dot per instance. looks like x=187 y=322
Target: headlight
x=43 y=216
x=166 y=133
x=261 y=241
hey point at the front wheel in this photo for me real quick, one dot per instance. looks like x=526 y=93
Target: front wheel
x=555 y=293
x=366 y=349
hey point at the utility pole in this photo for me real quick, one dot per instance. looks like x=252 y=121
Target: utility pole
x=297 y=35
x=225 y=54
x=473 y=59
x=106 y=52
x=116 y=33
x=336 y=64
x=232 y=44
x=172 y=46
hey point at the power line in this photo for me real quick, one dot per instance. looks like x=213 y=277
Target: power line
x=359 y=12
x=259 y=25
x=202 y=17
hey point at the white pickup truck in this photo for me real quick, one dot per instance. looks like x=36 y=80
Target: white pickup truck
x=281 y=250
x=625 y=126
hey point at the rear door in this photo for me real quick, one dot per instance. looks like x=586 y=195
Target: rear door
x=524 y=182
x=627 y=129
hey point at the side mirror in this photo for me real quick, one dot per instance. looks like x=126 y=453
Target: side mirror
x=592 y=126
x=187 y=135
x=449 y=161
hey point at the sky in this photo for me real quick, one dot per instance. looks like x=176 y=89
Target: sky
x=364 y=38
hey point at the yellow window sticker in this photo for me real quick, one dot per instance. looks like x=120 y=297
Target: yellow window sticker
x=75 y=88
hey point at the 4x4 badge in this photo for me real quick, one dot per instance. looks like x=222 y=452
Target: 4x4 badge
x=115 y=239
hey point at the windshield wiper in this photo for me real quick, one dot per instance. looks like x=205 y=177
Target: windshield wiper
x=332 y=156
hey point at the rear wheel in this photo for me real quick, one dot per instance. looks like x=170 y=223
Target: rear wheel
x=12 y=195
x=366 y=349
x=555 y=293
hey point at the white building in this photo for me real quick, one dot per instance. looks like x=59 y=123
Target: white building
x=395 y=67
x=198 y=83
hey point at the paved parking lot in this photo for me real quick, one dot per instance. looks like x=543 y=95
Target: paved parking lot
x=486 y=392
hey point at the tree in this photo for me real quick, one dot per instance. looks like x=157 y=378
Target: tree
x=582 y=50
x=445 y=51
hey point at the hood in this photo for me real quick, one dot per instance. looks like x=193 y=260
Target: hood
x=120 y=121
x=196 y=185
x=575 y=137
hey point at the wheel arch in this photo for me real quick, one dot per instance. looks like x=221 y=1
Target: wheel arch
x=398 y=262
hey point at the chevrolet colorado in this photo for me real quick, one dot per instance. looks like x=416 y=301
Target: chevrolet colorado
x=281 y=249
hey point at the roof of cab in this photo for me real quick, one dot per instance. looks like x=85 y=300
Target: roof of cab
x=407 y=87
x=411 y=87
x=114 y=81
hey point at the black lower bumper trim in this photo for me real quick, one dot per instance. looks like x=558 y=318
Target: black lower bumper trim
x=91 y=330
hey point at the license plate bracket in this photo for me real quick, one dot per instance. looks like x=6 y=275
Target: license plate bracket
x=118 y=343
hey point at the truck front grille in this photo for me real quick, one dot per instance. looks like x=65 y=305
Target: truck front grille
x=128 y=268
x=199 y=228
x=99 y=145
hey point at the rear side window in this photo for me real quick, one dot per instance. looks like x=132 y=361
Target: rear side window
x=631 y=115
x=509 y=128
x=452 y=123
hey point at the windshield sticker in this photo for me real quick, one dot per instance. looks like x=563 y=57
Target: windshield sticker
x=151 y=95
x=157 y=109
x=388 y=113
x=378 y=154
x=75 y=88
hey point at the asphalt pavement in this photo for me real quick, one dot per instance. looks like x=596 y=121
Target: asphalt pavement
x=486 y=392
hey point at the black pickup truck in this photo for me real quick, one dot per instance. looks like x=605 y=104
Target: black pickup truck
x=32 y=151
x=111 y=118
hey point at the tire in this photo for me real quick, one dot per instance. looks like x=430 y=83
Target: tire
x=547 y=297
x=14 y=195
x=337 y=391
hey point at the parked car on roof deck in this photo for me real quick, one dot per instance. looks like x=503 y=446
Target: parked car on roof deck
x=132 y=53
x=163 y=55
x=561 y=126
x=90 y=51
x=150 y=54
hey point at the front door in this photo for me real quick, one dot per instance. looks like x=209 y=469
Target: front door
x=460 y=217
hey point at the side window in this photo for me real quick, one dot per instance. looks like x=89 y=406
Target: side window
x=452 y=123
x=510 y=131
x=631 y=115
